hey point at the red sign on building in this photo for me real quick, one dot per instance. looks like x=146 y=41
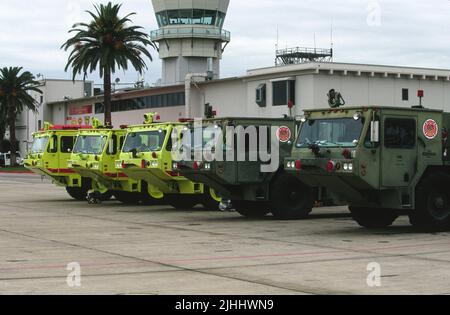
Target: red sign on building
x=80 y=110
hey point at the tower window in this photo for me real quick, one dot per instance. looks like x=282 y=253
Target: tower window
x=190 y=17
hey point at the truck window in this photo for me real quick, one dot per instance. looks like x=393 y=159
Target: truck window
x=145 y=141
x=399 y=133
x=331 y=133
x=55 y=142
x=67 y=144
x=114 y=149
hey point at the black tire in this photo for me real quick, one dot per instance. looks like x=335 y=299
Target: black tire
x=374 y=218
x=182 y=201
x=432 y=203
x=106 y=196
x=208 y=202
x=251 y=209
x=127 y=198
x=77 y=193
x=290 y=198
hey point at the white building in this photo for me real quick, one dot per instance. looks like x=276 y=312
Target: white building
x=266 y=92
x=52 y=90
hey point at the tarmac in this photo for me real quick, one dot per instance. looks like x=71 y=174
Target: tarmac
x=50 y=244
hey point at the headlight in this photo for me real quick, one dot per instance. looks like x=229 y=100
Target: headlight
x=69 y=164
x=154 y=164
x=175 y=166
x=348 y=167
x=95 y=166
x=291 y=164
x=118 y=164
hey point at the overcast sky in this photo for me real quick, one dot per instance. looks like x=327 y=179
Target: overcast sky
x=393 y=32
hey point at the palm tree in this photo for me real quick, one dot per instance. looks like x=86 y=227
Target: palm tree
x=15 y=97
x=107 y=43
x=3 y=124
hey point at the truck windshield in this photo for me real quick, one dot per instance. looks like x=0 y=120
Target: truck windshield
x=342 y=132
x=90 y=144
x=39 y=145
x=210 y=136
x=146 y=141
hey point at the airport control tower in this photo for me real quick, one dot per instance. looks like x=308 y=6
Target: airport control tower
x=190 y=37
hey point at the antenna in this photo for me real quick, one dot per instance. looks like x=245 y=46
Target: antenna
x=315 y=46
x=332 y=42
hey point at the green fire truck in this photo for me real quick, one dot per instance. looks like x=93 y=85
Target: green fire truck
x=147 y=156
x=48 y=156
x=94 y=155
x=381 y=161
x=223 y=154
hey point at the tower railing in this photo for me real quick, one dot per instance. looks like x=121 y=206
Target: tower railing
x=192 y=31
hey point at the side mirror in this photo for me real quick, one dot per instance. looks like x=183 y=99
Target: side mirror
x=375 y=131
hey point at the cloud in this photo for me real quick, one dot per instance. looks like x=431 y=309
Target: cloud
x=396 y=32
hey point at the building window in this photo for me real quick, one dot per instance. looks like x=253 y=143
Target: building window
x=405 y=94
x=399 y=133
x=147 y=102
x=283 y=92
x=88 y=89
x=261 y=95
x=39 y=124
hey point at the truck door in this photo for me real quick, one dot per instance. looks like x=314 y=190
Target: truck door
x=399 y=156
x=51 y=158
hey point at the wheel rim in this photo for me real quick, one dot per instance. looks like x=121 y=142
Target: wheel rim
x=438 y=204
x=214 y=195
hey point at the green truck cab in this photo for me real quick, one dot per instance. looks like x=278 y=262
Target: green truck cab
x=94 y=156
x=147 y=156
x=48 y=156
x=231 y=156
x=381 y=161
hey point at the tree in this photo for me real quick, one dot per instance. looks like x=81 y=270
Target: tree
x=107 y=43
x=3 y=125
x=14 y=97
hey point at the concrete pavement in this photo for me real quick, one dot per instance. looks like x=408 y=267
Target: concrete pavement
x=159 y=250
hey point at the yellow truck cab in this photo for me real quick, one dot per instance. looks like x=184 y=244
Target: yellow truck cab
x=48 y=156
x=94 y=156
x=147 y=156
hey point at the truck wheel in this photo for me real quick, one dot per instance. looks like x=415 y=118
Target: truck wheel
x=210 y=200
x=251 y=209
x=77 y=193
x=127 y=198
x=181 y=201
x=106 y=196
x=290 y=198
x=373 y=218
x=147 y=199
x=432 y=203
